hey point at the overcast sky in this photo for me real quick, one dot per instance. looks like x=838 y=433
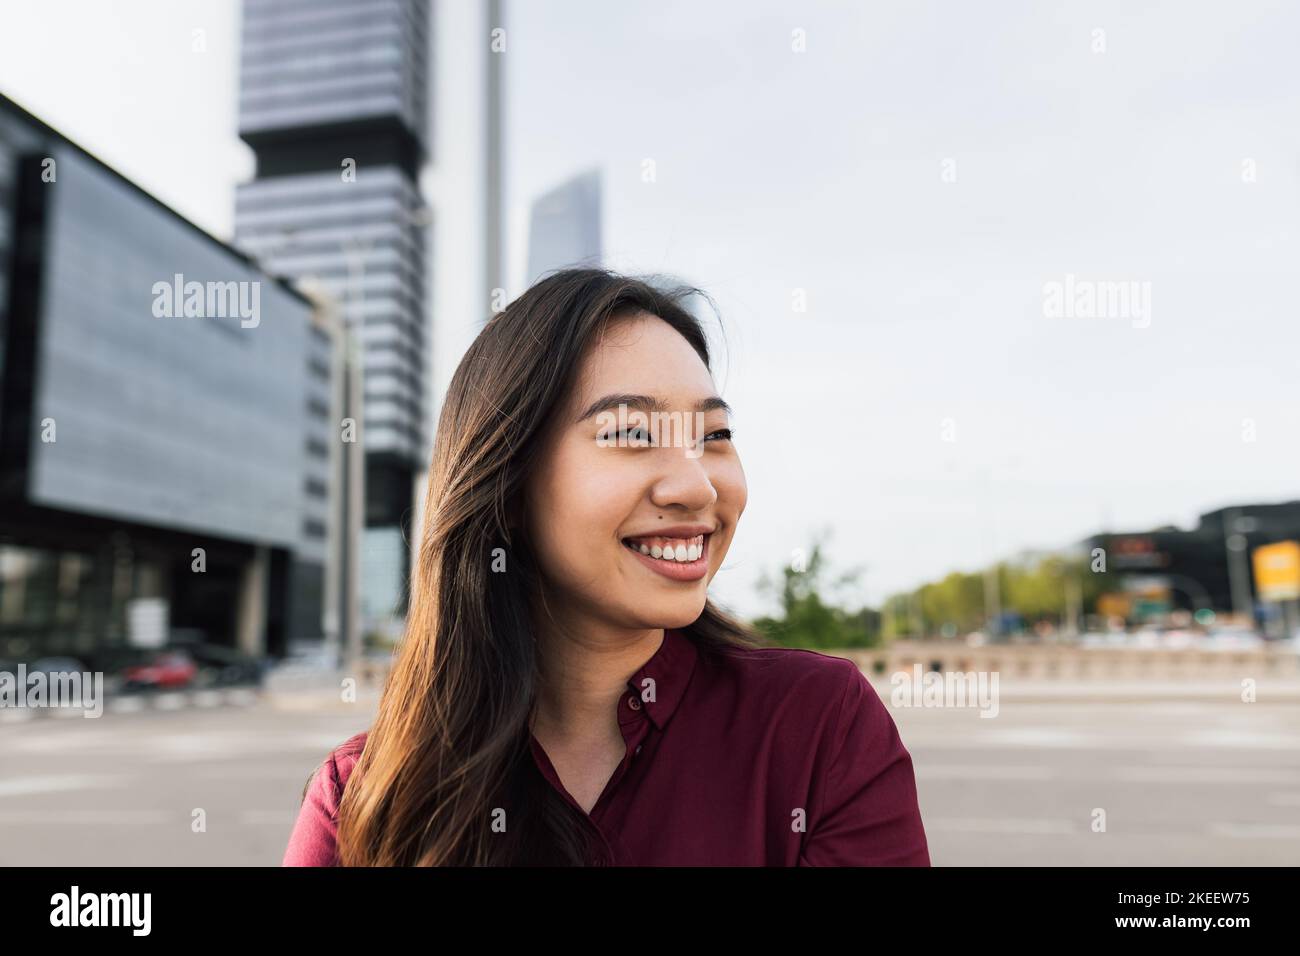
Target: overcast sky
x=919 y=171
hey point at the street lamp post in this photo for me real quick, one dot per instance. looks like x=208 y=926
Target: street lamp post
x=1235 y=542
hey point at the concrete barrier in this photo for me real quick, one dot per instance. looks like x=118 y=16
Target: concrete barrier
x=1068 y=663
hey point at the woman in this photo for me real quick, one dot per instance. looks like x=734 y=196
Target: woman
x=565 y=693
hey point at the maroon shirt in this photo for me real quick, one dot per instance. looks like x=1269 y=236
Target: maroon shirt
x=769 y=757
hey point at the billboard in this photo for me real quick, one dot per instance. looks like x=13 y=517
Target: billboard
x=1277 y=571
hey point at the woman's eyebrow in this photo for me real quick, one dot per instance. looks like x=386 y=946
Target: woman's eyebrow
x=648 y=403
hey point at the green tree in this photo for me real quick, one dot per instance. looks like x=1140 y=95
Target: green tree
x=807 y=619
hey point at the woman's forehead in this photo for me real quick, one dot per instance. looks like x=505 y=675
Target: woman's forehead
x=636 y=353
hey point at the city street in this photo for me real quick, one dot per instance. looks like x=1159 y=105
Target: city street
x=122 y=789
x=1182 y=782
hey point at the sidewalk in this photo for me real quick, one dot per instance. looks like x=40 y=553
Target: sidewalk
x=316 y=689
x=1267 y=690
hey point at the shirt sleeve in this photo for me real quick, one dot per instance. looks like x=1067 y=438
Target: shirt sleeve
x=867 y=814
x=312 y=842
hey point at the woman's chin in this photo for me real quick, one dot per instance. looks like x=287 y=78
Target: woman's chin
x=674 y=614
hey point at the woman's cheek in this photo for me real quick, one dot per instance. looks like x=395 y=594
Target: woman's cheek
x=733 y=491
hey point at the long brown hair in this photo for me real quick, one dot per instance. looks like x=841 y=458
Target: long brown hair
x=449 y=748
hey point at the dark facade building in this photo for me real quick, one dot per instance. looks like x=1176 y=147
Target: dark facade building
x=334 y=104
x=165 y=419
x=1208 y=566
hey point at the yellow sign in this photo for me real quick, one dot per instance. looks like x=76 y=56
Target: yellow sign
x=1277 y=571
x=1112 y=604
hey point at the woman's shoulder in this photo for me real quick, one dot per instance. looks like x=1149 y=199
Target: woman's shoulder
x=345 y=756
x=331 y=774
x=351 y=748
x=312 y=842
x=793 y=670
x=807 y=693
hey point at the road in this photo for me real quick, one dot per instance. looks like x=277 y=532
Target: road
x=1181 y=782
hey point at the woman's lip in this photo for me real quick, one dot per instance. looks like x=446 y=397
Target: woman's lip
x=676 y=531
x=676 y=570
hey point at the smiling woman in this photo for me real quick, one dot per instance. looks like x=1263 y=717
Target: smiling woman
x=583 y=702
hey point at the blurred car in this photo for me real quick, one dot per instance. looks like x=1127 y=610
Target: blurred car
x=310 y=654
x=225 y=667
x=164 y=670
x=1144 y=637
x=1103 y=639
x=1179 y=638
x=1231 y=639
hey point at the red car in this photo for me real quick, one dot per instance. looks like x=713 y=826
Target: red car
x=167 y=670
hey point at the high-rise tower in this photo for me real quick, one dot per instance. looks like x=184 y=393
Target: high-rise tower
x=334 y=103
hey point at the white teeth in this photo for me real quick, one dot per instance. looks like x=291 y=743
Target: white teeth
x=684 y=550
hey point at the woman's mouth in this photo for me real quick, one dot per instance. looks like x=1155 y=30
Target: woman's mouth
x=679 y=559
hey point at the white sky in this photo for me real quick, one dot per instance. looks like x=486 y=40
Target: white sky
x=820 y=171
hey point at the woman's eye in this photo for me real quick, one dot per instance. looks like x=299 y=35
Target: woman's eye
x=638 y=437
x=635 y=436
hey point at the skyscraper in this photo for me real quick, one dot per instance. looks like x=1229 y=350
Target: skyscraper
x=334 y=104
x=564 y=226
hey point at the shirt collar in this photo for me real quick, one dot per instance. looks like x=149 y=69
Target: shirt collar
x=670 y=668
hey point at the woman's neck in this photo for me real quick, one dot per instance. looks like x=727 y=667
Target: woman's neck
x=583 y=674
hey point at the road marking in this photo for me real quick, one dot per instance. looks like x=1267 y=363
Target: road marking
x=1038 y=737
x=1241 y=738
x=1228 y=775
x=979 y=771
x=22 y=786
x=1256 y=831
x=268 y=772
x=1007 y=738
x=1010 y=825
x=279 y=818
x=91 y=817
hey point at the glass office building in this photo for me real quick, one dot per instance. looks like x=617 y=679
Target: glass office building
x=564 y=227
x=334 y=105
x=165 y=419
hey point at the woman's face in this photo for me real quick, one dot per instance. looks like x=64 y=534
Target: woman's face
x=632 y=518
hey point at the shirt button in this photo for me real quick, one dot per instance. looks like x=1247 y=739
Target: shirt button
x=638 y=748
x=634 y=703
